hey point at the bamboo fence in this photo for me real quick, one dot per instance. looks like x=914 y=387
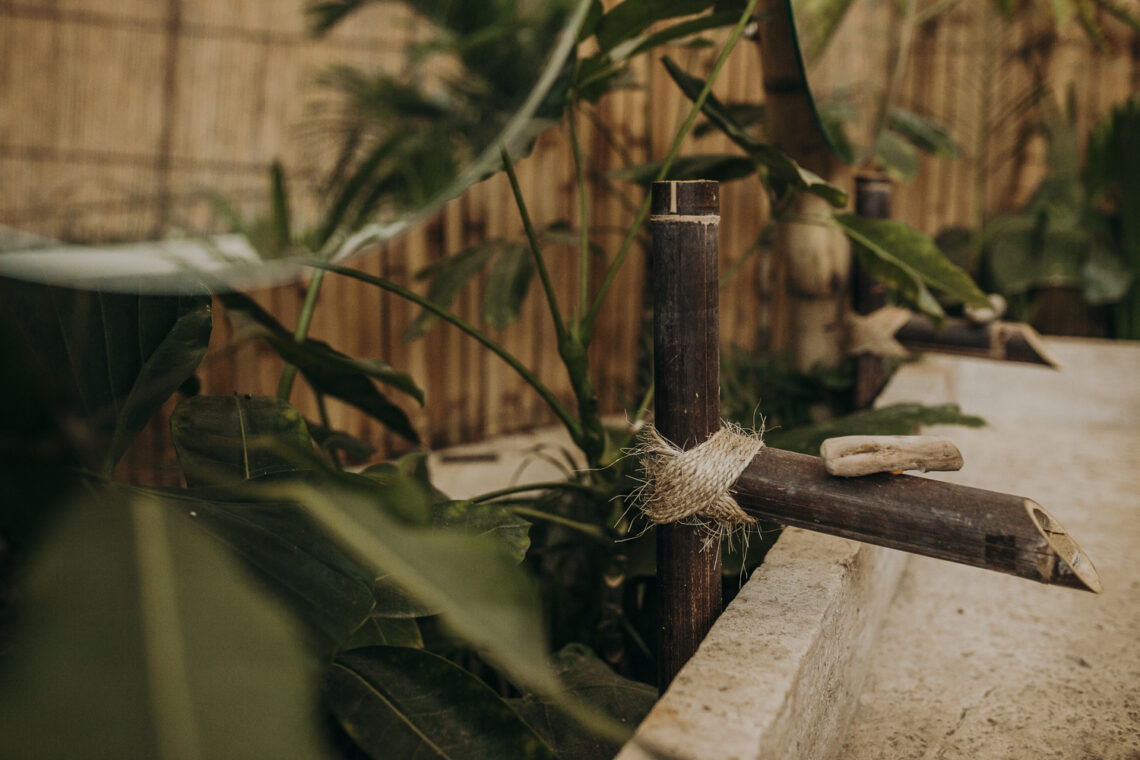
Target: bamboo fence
x=114 y=116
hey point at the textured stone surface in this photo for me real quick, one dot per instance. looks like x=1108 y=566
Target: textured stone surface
x=778 y=675
x=983 y=666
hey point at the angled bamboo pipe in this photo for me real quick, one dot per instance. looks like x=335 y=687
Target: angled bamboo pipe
x=971 y=526
x=1008 y=341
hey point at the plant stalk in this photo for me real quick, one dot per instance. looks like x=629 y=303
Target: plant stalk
x=682 y=133
x=572 y=425
x=285 y=385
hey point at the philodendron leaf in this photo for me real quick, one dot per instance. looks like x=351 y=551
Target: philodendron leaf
x=488 y=519
x=356 y=450
x=908 y=261
x=111 y=359
x=406 y=702
x=145 y=639
x=227 y=439
x=508 y=285
x=311 y=574
x=590 y=680
x=480 y=591
x=780 y=166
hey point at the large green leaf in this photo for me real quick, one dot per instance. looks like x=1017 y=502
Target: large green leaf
x=332 y=373
x=447 y=277
x=908 y=261
x=631 y=18
x=317 y=580
x=781 y=168
x=487 y=519
x=401 y=702
x=109 y=359
x=481 y=592
x=140 y=638
x=508 y=285
x=590 y=680
x=227 y=439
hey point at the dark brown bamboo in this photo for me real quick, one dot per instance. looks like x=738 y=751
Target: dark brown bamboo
x=995 y=531
x=1008 y=341
x=872 y=201
x=686 y=369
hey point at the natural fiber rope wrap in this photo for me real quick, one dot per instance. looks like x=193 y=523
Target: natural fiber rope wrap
x=681 y=485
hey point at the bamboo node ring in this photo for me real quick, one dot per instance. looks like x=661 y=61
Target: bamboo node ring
x=692 y=486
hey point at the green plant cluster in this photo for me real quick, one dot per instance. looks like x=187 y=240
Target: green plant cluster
x=280 y=605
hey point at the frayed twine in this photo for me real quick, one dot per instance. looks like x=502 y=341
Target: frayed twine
x=691 y=486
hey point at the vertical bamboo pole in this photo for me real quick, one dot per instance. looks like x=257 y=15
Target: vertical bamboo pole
x=685 y=219
x=872 y=201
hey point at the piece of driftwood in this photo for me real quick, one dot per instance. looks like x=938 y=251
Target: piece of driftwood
x=996 y=531
x=684 y=222
x=1010 y=341
x=853 y=456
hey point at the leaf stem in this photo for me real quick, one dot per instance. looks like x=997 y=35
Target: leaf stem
x=555 y=485
x=583 y=216
x=547 y=395
x=682 y=133
x=285 y=385
x=535 y=248
x=590 y=530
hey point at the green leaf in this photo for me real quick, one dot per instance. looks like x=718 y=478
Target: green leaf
x=110 y=359
x=508 y=285
x=718 y=167
x=142 y=635
x=908 y=261
x=482 y=594
x=227 y=439
x=925 y=134
x=486 y=519
x=590 y=680
x=1105 y=277
x=281 y=544
x=319 y=362
x=406 y=702
x=386 y=631
x=281 y=218
x=447 y=277
x=897 y=156
x=355 y=450
x=781 y=168
x=632 y=18
x=332 y=373
x=896 y=419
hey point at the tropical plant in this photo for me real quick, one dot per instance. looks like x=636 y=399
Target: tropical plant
x=280 y=605
x=1074 y=231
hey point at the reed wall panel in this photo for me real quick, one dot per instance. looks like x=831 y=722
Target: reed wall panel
x=116 y=114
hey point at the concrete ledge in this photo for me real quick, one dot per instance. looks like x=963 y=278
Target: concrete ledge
x=780 y=672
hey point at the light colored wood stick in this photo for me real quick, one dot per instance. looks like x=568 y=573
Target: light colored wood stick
x=856 y=455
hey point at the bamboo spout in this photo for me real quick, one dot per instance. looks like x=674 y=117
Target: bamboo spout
x=971 y=526
x=1008 y=341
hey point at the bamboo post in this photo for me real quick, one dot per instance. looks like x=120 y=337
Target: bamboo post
x=685 y=218
x=995 y=531
x=872 y=201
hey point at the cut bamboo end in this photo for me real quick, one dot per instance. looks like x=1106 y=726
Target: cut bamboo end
x=1075 y=569
x=853 y=456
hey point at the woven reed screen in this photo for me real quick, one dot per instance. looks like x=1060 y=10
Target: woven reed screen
x=116 y=114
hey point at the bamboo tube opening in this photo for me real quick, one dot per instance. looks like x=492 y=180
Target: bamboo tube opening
x=1075 y=569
